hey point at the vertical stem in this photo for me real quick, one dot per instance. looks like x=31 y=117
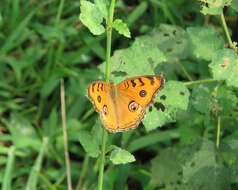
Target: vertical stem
x=101 y=169
x=107 y=72
x=66 y=152
x=109 y=39
x=226 y=31
x=218 y=131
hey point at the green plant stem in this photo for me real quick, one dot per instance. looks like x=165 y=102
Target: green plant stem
x=185 y=72
x=199 y=82
x=109 y=39
x=107 y=72
x=101 y=169
x=226 y=31
x=218 y=131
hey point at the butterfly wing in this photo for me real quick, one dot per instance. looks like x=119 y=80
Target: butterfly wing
x=99 y=94
x=141 y=89
x=127 y=117
x=137 y=92
x=122 y=107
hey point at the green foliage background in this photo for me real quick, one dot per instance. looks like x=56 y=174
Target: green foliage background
x=189 y=137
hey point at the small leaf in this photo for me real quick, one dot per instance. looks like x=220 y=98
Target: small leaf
x=89 y=143
x=120 y=156
x=214 y=7
x=225 y=66
x=91 y=17
x=204 y=41
x=121 y=27
x=103 y=7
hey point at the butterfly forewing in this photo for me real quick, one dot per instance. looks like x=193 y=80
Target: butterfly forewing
x=142 y=89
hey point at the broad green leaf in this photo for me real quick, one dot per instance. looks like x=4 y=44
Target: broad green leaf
x=139 y=59
x=226 y=99
x=234 y=5
x=225 y=66
x=171 y=40
x=103 y=6
x=204 y=41
x=190 y=127
x=166 y=168
x=201 y=98
x=89 y=143
x=168 y=103
x=121 y=27
x=231 y=158
x=91 y=17
x=212 y=7
x=150 y=53
x=203 y=168
x=121 y=156
x=219 y=100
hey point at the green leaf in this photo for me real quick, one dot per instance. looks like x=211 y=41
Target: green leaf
x=204 y=41
x=121 y=27
x=190 y=128
x=166 y=168
x=226 y=99
x=9 y=171
x=225 y=66
x=91 y=17
x=49 y=86
x=234 y=5
x=214 y=7
x=143 y=55
x=89 y=143
x=202 y=168
x=168 y=103
x=201 y=98
x=206 y=98
x=33 y=177
x=121 y=156
x=103 y=6
x=171 y=40
x=151 y=139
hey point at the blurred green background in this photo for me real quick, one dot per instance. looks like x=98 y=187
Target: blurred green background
x=37 y=49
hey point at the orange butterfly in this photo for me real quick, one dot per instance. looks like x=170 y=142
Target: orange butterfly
x=122 y=107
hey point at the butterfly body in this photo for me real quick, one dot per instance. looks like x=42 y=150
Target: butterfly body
x=122 y=107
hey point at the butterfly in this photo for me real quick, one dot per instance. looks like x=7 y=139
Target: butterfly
x=122 y=107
